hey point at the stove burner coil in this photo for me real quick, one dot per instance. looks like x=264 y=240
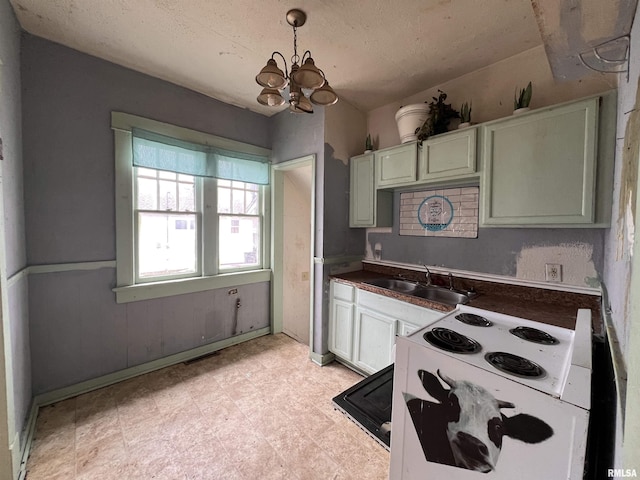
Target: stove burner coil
x=451 y=341
x=474 y=320
x=534 y=335
x=515 y=365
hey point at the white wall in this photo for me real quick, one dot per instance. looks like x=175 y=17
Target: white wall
x=619 y=242
x=622 y=242
x=491 y=91
x=345 y=130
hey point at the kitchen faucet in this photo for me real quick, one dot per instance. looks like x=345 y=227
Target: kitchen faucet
x=450 y=281
x=428 y=275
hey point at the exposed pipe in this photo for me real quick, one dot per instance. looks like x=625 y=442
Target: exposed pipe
x=235 y=317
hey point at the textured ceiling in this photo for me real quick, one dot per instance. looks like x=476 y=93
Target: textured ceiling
x=373 y=52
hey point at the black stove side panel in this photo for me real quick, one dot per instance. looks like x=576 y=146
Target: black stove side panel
x=602 y=421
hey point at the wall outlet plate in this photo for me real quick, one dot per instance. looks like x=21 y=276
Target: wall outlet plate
x=553 y=272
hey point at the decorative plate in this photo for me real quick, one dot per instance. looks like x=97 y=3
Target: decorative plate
x=435 y=213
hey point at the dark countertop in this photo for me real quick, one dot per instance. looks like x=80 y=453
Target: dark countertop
x=541 y=305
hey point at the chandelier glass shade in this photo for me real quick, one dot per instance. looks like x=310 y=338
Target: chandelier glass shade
x=306 y=77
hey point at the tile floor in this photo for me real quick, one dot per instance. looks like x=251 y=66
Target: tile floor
x=260 y=410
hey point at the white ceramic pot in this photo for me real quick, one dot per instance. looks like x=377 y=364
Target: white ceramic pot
x=518 y=111
x=409 y=118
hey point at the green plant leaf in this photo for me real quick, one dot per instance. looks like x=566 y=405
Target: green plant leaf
x=526 y=97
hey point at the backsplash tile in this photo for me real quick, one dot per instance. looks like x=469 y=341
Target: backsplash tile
x=444 y=212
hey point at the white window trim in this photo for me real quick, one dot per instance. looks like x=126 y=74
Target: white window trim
x=199 y=220
x=127 y=290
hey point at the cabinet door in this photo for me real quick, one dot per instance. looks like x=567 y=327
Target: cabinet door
x=374 y=338
x=362 y=192
x=341 y=329
x=367 y=207
x=539 y=169
x=396 y=165
x=406 y=328
x=448 y=155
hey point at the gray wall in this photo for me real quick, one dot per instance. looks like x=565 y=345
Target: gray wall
x=495 y=251
x=16 y=313
x=68 y=145
x=339 y=239
x=78 y=331
x=294 y=136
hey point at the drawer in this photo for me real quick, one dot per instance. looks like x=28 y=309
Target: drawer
x=342 y=291
x=398 y=309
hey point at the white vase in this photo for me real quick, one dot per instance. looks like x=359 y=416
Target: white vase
x=409 y=118
x=518 y=111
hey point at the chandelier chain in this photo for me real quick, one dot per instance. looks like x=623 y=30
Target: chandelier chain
x=295 y=57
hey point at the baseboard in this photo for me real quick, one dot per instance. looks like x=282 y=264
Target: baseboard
x=322 y=359
x=112 y=378
x=29 y=432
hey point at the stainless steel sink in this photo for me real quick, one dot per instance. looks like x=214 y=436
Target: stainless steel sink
x=402 y=286
x=428 y=292
x=441 y=295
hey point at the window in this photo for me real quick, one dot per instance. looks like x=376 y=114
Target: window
x=167 y=215
x=239 y=224
x=190 y=210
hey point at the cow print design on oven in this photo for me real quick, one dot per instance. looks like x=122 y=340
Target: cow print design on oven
x=466 y=428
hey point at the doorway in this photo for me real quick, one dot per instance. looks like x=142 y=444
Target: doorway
x=293 y=226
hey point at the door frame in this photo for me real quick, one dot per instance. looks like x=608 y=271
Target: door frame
x=277 y=240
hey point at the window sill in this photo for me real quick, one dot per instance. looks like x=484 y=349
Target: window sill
x=148 y=291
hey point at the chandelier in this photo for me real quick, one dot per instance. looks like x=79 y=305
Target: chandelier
x=302 y=80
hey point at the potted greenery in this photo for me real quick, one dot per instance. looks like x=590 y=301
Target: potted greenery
x=521 y=102
x=440 y=114
x=409 y=118
x=368 y=144
x=465 y=115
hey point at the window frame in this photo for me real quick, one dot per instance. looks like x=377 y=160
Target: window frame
x=127 y=288
x=199 y=223
x=238 y=215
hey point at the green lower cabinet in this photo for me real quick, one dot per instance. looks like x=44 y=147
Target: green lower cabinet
x=341 y=329
x=539 y=169
x=373 y=341
x=363 y=325
x=341 y=320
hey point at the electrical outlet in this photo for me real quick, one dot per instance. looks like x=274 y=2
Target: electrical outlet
x=553 y=272
x=305 y=276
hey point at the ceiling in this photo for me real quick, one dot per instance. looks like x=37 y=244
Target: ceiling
x=373 y=52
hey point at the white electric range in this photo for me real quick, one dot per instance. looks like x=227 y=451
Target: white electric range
x=478 y=391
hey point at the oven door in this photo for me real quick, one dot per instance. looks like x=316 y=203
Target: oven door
x=452 y=420
x=368 y=404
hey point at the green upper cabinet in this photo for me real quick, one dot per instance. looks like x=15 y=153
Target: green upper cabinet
x=539 y=169
x=396 y=165
x=449 y=155
x=367 y=207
